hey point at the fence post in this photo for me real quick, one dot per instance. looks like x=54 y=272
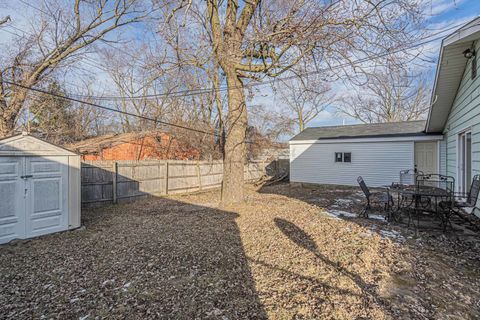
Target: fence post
x=199 y=176
x=159 y=167
x=114 y=181
x=166 y=178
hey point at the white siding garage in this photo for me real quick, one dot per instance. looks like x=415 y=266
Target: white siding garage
x=339 y=154
x=39 y=188
x=378 y=162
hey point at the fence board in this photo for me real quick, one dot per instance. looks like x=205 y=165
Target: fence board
x=136 y=179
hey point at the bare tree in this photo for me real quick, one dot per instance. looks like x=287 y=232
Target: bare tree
x=270 y=123
x=140 y=90
x=253 y=39
x=305 y=98
x=389 y=96
x=59 y=35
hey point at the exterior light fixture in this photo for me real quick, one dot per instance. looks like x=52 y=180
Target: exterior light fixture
x=471 y=54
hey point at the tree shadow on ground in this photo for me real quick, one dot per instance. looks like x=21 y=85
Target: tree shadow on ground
x=303 y=240
x=155 y=258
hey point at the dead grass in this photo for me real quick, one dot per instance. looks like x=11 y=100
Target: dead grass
x=279 y=255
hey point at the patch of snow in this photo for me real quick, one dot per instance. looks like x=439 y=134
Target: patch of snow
x=126 y=286
x=343 y=202
x=338 y=214
x=376 y=217
x=84 y=317
x=74 y=300
x=107 y=282
x=391 y=234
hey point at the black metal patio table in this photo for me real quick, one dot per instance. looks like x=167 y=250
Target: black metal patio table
x=417 y=199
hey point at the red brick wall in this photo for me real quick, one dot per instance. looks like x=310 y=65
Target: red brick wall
x=146 y=148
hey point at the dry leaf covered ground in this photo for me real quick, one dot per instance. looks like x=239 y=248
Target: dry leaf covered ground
x=286 y=253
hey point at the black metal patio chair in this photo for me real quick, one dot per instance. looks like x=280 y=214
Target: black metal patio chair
x=409 y=176
x=434 y=194
x=464 y=201
x=374 y=198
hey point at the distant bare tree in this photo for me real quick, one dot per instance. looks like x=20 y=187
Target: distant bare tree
x=389 y=96
x=141 y=91
x=305 y=98
x=62 y=121
x=270 y=123
x=59 y=35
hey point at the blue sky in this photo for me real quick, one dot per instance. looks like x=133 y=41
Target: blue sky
x=443 y=14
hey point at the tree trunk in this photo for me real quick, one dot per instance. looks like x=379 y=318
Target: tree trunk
x=10 y=110
x=234 y=158
x=7 y=126
x=301 y=125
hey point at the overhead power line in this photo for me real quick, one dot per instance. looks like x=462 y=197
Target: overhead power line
x=200 y=91
x=110 y=109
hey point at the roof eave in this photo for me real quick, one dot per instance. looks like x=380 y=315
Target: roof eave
x=465 y=34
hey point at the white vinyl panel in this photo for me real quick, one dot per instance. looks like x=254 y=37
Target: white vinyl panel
x=47 y=205
x=12 y=204
x=379 y=163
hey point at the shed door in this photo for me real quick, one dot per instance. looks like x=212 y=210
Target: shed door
x=47 y=184
x=426 y=157
x=12 y=199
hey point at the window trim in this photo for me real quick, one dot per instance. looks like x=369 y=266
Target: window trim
x=349 y=158
x=341 y=159
x=337 y=160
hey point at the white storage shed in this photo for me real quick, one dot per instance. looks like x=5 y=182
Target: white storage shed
x=377 y=152
x=39 y=188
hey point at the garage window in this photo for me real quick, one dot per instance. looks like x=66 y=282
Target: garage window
x=343 y=157
x=338 y=157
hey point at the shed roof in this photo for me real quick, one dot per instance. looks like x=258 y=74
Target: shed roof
x=373 y=130
x=26 y=145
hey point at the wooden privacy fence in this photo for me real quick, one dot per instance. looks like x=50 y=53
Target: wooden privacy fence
x=106 y=182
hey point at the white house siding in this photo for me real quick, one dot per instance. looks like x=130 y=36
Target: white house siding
x=379 y=163
x=442 y=160
x=465 y=113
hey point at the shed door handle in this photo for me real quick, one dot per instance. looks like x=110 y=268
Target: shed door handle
x=26 y=176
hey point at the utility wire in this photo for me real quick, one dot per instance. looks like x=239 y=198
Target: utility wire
x=110 y=109
x=192 y=92
x=201 y=91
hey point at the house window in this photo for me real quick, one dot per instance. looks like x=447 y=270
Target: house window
x=338 y=157
x=343 y=157
x=347 y=157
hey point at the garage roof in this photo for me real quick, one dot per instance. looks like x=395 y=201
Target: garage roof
x=373 y=130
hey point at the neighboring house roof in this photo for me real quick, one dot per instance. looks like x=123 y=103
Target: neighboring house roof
x=373 y=130
x=450 y=69
x=135 y=145
x=93 y=145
